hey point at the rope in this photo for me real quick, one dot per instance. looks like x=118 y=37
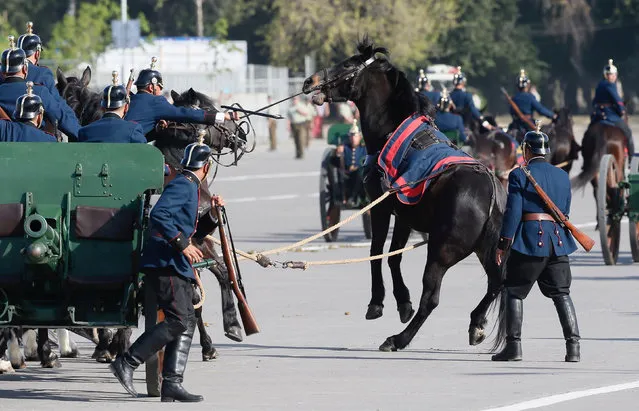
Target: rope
x=198 y=281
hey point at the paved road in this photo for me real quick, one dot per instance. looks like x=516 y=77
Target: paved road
x=316 y=351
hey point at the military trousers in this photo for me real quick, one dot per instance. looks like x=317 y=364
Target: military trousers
x=300 y=136
x=552 y=274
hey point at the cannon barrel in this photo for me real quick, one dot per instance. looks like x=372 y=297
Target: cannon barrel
x=45 y=241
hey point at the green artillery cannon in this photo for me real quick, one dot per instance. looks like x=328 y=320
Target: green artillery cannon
x=72 y=226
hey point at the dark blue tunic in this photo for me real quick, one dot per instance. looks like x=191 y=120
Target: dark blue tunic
x=147 y=109
x=447 y=121
x=23 y=133
x=14 y=87
x=522 y=199
x=527 y=104
x=463 y=99
x=607 y=104
x=111 y=129
x=174 y=215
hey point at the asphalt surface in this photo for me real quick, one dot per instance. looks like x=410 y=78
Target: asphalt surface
x=317 y=352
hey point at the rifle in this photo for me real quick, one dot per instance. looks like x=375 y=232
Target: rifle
x=248 y=320
x=3 y=115
x=586 y=242
x=521 y=116
x=129 y=83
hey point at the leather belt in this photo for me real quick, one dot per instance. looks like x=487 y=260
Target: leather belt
x=537 y=217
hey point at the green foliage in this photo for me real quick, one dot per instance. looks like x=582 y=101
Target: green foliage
x=490 y=45
x=330 y=29
x=6 y=30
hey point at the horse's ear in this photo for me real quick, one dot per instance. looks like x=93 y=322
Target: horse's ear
x=192 y=97
x=62 y=80
x=86 y=76
x=175 y=96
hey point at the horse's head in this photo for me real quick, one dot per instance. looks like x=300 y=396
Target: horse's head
x=173 y=139
x=564 y=118
x=343 y=81
x=370 y=80
x=75 y=91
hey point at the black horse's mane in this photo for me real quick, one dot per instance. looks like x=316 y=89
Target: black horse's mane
x=404 y=91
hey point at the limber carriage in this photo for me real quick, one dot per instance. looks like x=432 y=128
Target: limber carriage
x=332 y=187
x=72 y=225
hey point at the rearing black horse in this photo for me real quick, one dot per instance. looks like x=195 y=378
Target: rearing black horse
x=462 y=208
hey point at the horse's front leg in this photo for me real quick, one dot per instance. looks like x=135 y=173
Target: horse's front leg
x=48 y=358
x=401 y=233
x=380 y=221
x=101 y=352
x=68 y=347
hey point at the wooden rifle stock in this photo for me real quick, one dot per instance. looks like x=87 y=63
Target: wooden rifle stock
x=129 y=83
x=582 y=238
x=523 y=118
x=3 y=115
x=248 y=320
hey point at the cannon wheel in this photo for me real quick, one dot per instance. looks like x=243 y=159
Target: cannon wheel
x=634 y=226
x=329 y=211
x=368 y=225
x=608 y=202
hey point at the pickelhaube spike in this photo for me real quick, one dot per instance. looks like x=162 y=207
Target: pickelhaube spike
x=29 y=27
x=29 y=88
x=444 y=92
x=200 y=136
x=354 y=128
x=12 y=42
x=115 y=79
x=522 y=73
x=459 y=69
x=538 y=126
x=154 y=60
x=421 y=73
x=610 y=62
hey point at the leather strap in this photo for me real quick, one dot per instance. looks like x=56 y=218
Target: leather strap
x=537 y=217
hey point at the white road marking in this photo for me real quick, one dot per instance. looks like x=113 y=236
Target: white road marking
x=274 y=176
x=569 y=396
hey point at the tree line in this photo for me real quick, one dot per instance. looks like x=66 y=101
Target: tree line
x=562 y=44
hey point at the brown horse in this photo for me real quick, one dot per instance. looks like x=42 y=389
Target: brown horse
x=497 y=151
x=599 y=140
x=563 y=147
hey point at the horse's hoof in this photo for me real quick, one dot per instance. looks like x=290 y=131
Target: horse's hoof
x=476 y=335
x=389 y=345
x=104 y=357
x=405 y=312
x=209 y=354
x=374 y=311
x=20 y=365
x=52 y=362
x=31 y=357
x=234 y=333
x=71 y=354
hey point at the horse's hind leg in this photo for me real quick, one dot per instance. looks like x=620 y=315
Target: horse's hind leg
x=380 y=221
x=208 y=350
x=30 y=345
x=48 y=358
x=101 y=352
x=14 y=353
x=401 y=233
x=120 y=343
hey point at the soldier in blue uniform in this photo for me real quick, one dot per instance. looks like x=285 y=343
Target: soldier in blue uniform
x=28 y=115
x=539 y=247
x=167 y=261
x=354 y=154
x=112 y=128
x=14 y=68
x=527 y=104
x=463 y=100
x=32 y=46
x=148 y=106
x=424 y=87
x=608 y=107
x=447 y=121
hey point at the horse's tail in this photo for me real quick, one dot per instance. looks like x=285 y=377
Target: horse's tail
x=591 y=165
x=496 y=273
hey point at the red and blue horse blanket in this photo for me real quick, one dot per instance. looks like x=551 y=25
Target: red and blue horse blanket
x=409 y=168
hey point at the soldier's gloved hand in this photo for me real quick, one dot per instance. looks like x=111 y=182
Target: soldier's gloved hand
x=193 y=254
x=232 y=115
x=217 y=201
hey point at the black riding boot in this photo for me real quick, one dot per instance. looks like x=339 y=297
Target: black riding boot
x=176 y=355
x=143 y=348
x=514 y=317
x=568 y=320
